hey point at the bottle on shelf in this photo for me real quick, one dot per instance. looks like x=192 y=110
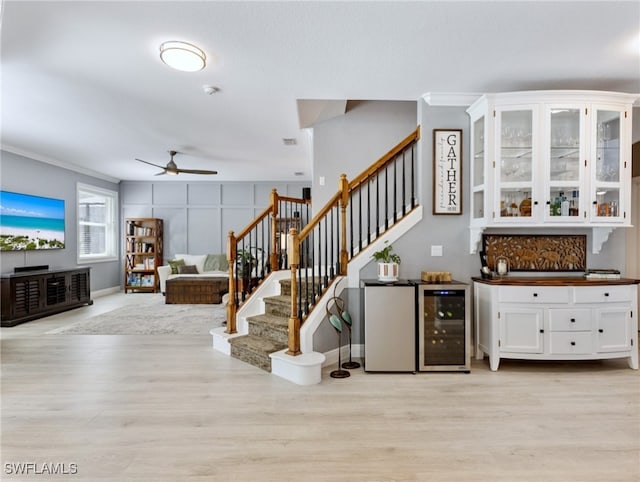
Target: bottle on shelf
x=554 y=206
x=573 y=204
x=564 y=205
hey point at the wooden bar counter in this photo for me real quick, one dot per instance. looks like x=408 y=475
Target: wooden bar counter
x=554 y=281
x=556 y=318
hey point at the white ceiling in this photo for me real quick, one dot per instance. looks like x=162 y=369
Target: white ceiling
x=83 y=85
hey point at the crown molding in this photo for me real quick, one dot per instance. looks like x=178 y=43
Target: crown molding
x=450 y=99
x=57 y=163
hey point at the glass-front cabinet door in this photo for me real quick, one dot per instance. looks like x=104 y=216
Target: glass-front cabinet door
x=607 y=165
x=515 y=164
x=565 y=149
x=478 y=171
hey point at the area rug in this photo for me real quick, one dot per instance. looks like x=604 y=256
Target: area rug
x=150 y=320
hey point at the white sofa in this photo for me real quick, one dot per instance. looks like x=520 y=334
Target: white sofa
x=206 y=265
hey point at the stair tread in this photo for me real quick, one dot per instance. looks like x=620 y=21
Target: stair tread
x=272 y=320
x=256 y=344
x=283 y=299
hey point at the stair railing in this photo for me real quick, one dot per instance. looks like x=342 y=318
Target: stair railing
x=260 y=248
x=321 y=250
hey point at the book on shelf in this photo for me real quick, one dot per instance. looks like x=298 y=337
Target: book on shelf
x=141 y=280
x=602 y=274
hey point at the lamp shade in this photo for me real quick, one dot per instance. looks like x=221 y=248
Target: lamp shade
x=182 y=56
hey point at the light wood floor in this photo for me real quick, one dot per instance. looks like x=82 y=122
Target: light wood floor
x=170 y=408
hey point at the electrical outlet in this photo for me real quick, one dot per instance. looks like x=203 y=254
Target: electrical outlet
x=436 y=250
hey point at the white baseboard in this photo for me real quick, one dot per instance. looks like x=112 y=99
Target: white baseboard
x=331 y=357
x=105 y=292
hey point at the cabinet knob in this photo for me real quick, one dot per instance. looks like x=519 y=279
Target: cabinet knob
x=548 y=203
x=573 y=320
x=535 y=295
x=535 y=203
x=595 y=203
x=606 y=294
x=541 y=331
x=573 y=343
x=600 y=330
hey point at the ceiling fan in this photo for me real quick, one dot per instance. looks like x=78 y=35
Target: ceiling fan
x=172 y=169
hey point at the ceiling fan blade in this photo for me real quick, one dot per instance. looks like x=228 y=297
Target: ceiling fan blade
x=150 y=163
x=161 y=173
x=197 y=171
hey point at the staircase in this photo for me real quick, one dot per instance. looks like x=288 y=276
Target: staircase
x=316 y=252
x=268 y=332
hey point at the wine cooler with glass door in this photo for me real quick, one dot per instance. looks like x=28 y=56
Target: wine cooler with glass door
x=444 y=316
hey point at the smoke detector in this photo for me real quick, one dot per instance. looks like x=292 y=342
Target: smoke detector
x=210 y=89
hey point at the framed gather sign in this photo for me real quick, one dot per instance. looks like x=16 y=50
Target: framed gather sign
x=447 y=171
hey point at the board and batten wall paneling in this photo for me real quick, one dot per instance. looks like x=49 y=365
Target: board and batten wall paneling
x=169 y=194
x=206 y=194
x=136 y=193
x=175 y=230
x=237 y=194
x=199 y=215
x=203 y=232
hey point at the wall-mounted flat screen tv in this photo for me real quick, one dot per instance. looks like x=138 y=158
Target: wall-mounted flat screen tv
x=30 y=222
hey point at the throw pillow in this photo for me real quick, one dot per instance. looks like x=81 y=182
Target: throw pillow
x=196 y=259
x=188 y=269
x=216 y=262
x=175 y=264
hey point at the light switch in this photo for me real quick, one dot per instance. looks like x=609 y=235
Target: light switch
x=436 y=250
x=321 y=180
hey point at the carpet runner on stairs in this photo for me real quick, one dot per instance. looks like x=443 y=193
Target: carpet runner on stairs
x=268 y=332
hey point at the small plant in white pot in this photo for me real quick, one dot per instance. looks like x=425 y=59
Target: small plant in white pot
x=388 y=263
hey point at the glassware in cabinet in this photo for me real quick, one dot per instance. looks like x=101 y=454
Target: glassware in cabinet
x=515 y=164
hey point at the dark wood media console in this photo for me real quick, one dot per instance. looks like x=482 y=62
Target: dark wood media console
x=30 y=295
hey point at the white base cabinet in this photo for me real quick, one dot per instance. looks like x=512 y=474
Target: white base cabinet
x=563 y=322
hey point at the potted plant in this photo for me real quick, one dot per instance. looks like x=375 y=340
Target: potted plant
x=245 y=262
x=388 y=263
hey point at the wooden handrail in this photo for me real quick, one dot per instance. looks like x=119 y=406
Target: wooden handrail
x=294 y=199
x=380 y=163
x=318 y=217
x=254 y=223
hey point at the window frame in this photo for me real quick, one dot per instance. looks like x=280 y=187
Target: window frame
x=111 y=225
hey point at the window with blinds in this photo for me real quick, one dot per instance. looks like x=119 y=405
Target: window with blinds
x=97 y=224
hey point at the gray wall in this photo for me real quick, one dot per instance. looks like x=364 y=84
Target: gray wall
x=352 y=142
x=199 y=215
x=28 y=176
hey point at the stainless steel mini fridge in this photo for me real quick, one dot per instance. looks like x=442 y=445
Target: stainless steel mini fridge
x=389 y=326
x=444 y=315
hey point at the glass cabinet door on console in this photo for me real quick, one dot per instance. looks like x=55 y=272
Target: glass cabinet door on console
x=478 y=173
x=515 y=164
x=565 y=149
x=607 y=204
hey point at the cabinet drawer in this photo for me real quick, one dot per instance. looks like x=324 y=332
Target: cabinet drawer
x=534 y=294
x=603 y=294
x=566 y=342
x=569 y=320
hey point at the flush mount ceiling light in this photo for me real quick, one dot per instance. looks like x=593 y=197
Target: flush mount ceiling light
x=182 y=56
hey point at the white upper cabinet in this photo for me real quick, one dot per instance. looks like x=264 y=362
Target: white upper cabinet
x=551 y=158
